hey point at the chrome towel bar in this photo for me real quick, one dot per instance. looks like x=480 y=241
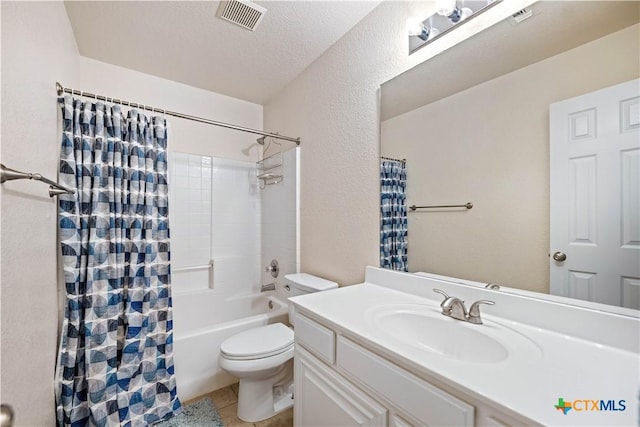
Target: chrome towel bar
x=467 y=205
x=55 y=189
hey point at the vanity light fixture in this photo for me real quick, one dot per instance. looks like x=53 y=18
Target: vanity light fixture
x=449 y=14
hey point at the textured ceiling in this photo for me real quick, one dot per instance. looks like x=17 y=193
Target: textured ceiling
x=555 y=27
x=186 y=42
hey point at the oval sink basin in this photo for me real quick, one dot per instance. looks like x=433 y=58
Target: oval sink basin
x=425 y=328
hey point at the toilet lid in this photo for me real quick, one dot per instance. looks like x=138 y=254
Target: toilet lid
x=259 y=342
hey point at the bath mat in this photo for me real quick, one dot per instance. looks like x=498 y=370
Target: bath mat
x=201 y=413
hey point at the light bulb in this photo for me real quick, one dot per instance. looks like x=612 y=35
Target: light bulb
x=455 y=14
x=415 y=27
x=465 y=12
x=446 y=7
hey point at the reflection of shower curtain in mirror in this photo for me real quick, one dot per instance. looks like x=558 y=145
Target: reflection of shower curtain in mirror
x=393 y=215
x=115 y=363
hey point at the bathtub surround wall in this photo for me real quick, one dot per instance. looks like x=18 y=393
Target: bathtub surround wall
x=280 y=238
x=216 y=217
x=333 y=107
x=221 y=212
x=38 y=48
x=236 y=228
x=190 y=192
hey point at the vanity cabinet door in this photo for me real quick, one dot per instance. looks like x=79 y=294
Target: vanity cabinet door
x=324 y=398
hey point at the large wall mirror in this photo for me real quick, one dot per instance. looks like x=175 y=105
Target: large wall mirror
x=480 y=122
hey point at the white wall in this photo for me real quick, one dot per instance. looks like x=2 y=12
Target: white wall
x=184 y=135
x=496 y=154
x=333 y=107
x=38 y=49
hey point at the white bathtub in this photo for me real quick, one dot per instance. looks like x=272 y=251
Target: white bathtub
x=201 y=322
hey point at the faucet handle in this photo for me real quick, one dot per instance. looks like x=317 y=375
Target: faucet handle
x=443 y=293
x=474 y=311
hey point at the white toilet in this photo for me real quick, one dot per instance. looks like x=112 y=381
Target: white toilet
x=262 y=358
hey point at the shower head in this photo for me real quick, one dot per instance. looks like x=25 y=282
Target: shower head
x=261 y=140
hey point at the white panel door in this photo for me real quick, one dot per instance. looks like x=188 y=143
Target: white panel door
x=324 y=398
x=595 y=196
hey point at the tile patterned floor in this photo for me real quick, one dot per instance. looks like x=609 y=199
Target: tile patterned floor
x=226 y=400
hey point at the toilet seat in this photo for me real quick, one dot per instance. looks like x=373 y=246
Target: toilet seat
x=258 y=343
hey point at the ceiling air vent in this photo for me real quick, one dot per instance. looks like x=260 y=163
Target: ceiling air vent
x=241 y=12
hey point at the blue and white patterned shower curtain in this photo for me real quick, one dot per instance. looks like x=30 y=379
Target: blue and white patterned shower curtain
x=115 y=363
x=393 y=215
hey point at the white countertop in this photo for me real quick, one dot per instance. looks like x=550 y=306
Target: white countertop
x=566 y=367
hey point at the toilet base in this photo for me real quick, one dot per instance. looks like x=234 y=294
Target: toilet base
x=262 y=399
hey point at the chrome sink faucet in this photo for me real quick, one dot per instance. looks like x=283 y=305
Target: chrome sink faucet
x=454 y=307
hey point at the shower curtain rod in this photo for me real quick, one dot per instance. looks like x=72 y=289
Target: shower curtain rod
x=61 y=89
x=395 y=160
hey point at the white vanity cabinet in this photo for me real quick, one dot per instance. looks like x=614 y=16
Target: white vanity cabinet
x=324 y=398
x=339 y=382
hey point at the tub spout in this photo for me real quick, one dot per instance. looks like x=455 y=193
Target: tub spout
x=268 y=287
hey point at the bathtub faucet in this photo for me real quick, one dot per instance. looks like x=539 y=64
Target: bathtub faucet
x=268 y=287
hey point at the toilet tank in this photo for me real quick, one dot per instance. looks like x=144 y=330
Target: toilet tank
x=303 y=283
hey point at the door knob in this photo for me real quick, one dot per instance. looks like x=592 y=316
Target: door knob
x=559 y=256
